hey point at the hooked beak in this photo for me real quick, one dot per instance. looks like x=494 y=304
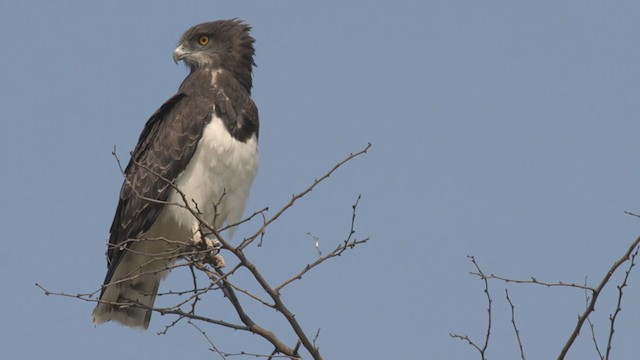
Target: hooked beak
x=179 y=53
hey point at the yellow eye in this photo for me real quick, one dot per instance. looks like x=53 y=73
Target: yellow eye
x=203 y=40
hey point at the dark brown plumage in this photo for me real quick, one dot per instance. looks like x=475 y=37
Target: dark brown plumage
x=230 y=47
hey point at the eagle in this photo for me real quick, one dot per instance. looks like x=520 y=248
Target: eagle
x=202 y=142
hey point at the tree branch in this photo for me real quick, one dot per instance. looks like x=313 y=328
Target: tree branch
x=200 y=257
x=481 y=349
x=594 y=298
x=295 y=197
x=347 y=244
x=612 y=318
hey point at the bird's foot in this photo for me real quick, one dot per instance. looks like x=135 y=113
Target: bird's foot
x=217 y=261
x=208 y=247
x=211 y=253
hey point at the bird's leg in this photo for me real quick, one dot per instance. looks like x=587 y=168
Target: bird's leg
x=210 y=246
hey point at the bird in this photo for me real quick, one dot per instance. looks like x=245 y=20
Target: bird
x=201 y=143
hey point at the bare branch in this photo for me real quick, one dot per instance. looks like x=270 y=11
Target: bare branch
x=612 y=318
x=489 y=302
x=225 y=355
x=347 y=244
x=594 y=298
x=316 y=241
x=481 y=349
x=295 y=197
x=197 y=257
x=247 y=219
x=593 y=337
x=251 y=295
x=336 y=252
x=167 y=327
x=315 y=339
x=534 y=281
x=513 y=322
x=81 y=296
x=468 y=340
x=593 y=331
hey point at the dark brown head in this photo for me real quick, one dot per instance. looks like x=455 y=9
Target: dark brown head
x=224 y=44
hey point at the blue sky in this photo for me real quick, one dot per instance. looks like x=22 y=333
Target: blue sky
x=504 y=130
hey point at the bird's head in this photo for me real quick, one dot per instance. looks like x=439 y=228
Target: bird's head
x=224 y=44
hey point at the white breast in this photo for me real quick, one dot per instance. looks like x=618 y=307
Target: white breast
x=221 y=172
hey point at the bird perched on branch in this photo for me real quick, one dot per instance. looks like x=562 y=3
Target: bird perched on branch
x=203 y=141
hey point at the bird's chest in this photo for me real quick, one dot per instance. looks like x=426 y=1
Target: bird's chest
x=218 y=178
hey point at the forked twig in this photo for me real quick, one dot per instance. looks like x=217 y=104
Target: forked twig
x=482 y=349
x=347 y=244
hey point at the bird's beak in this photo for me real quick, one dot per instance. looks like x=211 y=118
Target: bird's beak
x=179 y=53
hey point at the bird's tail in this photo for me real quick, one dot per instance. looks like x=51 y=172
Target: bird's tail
x=134 y=304
x=129 y=294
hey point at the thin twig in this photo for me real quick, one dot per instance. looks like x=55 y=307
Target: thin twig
x=481 y=349
x=533 y=281
x=336 y=252
x=213 y=346
x=342 y=247
x=612 y=318
x=315 y=339
x=297 y=196
x=251 y=295
x=515 y=327
x=316 y=241
x=489 y=302
x=593 y=330
x=593 y=338
x=468 y=340
x=247 y=219
x=167 y=327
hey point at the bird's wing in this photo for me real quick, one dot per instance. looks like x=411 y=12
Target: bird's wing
x=166 y=145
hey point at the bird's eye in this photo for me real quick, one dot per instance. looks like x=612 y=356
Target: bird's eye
x=203 y=40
